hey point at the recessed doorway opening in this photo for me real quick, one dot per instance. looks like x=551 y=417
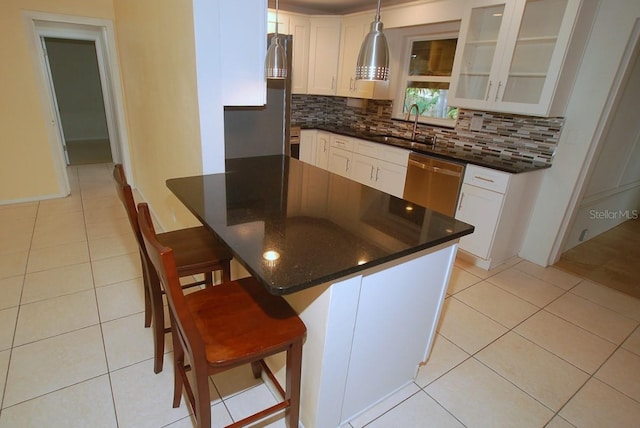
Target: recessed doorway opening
x=75 y=76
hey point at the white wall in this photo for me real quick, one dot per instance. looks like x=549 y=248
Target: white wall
x=612 y=195
x=230 y=45
x=563 y=184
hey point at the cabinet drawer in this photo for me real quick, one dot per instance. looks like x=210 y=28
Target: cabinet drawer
x=486 y=178
x=342 y=142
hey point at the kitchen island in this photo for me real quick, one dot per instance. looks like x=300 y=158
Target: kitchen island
x=366 y=272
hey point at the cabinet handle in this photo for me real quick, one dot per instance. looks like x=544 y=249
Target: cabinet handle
x=333 y=81
x=371 y=175
x=488 y=180
x=498 y=90
x=377 y=173
x=486 y=96
x=460 y=203
x=347 y=165
x=352 y=86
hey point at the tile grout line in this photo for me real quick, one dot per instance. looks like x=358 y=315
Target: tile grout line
x=566 y=291
x=15 y=325
x=95 y=295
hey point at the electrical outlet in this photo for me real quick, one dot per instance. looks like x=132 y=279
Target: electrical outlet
x=476 y=123
x=583 y=235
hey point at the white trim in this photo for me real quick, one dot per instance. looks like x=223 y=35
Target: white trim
x=398 y=105
x=102 y=33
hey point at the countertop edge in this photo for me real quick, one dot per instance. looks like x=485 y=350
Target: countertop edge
x=443 y=154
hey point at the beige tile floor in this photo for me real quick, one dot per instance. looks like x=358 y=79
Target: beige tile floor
x=609 y=258
x=519 y=346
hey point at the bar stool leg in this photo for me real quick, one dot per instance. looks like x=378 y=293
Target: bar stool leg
x=293 y=376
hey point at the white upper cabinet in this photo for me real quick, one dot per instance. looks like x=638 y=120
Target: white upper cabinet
x=283 y=21
x=511 y=54
x=354 y=30
x=324 y=43
x=298 y=27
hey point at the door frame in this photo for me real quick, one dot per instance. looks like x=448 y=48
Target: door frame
x=101 y=32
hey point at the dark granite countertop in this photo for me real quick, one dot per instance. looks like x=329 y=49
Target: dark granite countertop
x=456 y=153
x=323 y=226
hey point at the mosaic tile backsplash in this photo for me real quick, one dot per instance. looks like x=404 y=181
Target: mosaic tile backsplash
x=520 y=137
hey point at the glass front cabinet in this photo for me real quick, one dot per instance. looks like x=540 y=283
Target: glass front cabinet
x=510 y=55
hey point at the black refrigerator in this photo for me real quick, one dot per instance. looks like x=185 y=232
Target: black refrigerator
x=265 y=130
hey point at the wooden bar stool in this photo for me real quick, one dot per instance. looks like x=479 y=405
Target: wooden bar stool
x=197 y=251
x=221 y=327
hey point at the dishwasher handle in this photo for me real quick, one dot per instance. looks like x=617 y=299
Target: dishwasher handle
x=436 y=169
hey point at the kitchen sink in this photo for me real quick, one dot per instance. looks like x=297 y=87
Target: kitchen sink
x=403 y=142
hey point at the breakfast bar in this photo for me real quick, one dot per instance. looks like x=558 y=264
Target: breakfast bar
x=367 y=272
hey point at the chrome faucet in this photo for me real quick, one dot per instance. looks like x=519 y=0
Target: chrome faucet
x=415 y=122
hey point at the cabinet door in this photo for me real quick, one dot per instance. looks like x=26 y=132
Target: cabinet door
x=323 y=142
x=480 y=47
x=353 y=32
x=390 y=178
x=324 y=44
x=511 y=54
x=480 y=208
x=364 y=169
x=308 y=146
x=537 y=41
x=340 y=161
x=299 y=29
x=385 y=176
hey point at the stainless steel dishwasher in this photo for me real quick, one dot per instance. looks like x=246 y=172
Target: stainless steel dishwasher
x=433 y=183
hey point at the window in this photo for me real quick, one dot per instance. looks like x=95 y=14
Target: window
x=425 y=79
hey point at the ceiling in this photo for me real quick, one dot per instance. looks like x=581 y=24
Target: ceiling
x=331 y=7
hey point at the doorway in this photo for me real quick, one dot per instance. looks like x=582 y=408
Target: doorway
x=98 y=36
x=601 y=244
x=73 y=66
x=610 y=191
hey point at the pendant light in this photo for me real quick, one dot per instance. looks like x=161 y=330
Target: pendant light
x=275 y=64
x=373 y=60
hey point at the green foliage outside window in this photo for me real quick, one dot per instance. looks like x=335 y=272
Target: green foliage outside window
x=431 y=101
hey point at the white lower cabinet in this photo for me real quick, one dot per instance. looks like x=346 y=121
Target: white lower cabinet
x=340 y=155
x=380 y=166
x=382 y=175
x=499 y=205
x=314 y=147
x=323 y=143
x=376 y=165
x=308 y=138
x=340 y=161
x=480 y=207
